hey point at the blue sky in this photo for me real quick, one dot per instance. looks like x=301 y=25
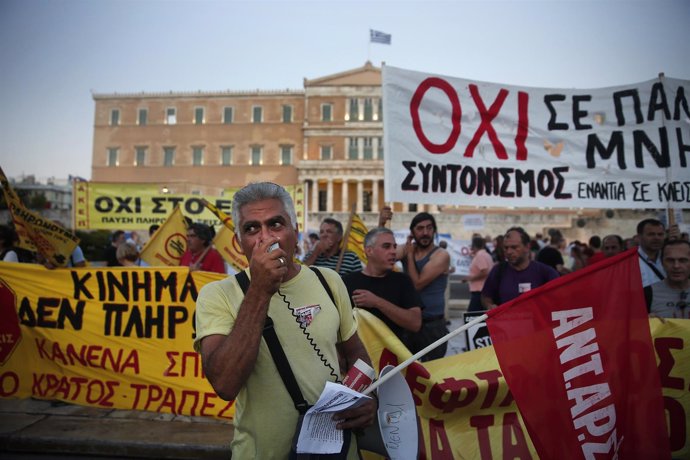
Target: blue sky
x=53 y=54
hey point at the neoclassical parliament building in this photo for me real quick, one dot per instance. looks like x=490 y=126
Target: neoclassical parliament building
x=326 y=137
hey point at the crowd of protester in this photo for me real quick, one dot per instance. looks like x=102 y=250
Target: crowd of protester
x=492 y=259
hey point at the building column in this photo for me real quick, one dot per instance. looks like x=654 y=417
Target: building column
x=375 y=195
x=360 y=148
x=314 y=195
x=344 y=195
x=360 y=109
x=329 y=195
x=360 y=195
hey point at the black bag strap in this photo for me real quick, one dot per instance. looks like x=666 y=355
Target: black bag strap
x=653 y=267
x=324 y=283
x=278 y=355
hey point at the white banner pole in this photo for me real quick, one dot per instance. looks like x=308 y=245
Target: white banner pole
x=424 y=351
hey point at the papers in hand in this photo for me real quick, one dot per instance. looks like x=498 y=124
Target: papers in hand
x=318 y=434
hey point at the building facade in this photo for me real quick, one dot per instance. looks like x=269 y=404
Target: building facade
x=327 y=136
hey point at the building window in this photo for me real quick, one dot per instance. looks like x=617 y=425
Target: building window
x=168 y=156
x=287 y=114
x=170 y=116
x=226 y=155
x=227 y=115
x=143 y=117
x=353 y=149
x=379 y=152
x=140 y=154
x=323 y=200
x=326 y=112
x=197 y=156
x=198 y=115
x=256 y=156
x=380 y=114
x=412 y=207
x=368 y=148
x=285 y=154
x=113 y=154
x=115 y=117
x=326 y=152
x=354 y=109
x=257 y=114
x=368 y=109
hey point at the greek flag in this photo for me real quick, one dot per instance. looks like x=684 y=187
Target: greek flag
x=379 y=37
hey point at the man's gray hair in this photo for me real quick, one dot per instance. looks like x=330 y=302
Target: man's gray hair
x=370 y=238
x=257 y=191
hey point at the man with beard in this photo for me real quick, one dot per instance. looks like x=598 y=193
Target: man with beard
x=517 y=274
x=427 y=266
x=387 y=294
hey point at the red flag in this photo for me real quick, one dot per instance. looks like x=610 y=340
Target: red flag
x=577 y=356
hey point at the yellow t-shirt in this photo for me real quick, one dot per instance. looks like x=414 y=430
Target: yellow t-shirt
x=265 y=416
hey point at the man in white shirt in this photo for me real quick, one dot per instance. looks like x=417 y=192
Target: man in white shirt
x=651 y=233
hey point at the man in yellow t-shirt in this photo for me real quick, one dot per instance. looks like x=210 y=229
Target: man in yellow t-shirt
x=310 y=328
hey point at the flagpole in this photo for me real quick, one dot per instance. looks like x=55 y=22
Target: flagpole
x=346 y=238
x=424 y=351
x=670 y=216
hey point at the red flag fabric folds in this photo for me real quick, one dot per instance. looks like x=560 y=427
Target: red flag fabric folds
x=577 y=356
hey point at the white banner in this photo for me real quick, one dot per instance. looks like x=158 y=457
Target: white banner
x=452 y=141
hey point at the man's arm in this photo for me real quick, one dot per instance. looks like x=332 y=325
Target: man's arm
x=385 y=215
x=321 y=247
x=487 y=302
x=437 y=265
x=408 y=318
x=228 y=360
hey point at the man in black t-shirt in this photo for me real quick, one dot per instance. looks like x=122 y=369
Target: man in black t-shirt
x=388 y=295
x=551 y=254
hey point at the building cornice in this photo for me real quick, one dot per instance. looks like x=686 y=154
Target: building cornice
x=198 y=94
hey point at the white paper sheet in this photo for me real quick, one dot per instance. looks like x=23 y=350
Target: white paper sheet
x=318 y=434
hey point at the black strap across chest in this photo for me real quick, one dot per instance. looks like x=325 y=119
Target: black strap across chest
x=277 y=352
x=653 y=267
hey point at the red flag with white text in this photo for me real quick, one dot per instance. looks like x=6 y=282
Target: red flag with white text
x=577 y=356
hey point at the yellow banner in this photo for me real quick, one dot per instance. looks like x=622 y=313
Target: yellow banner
x=136 y=206
x=115 y=338
x=229 y=248
x=168 y=243
x=121 y=338
x=466 y=410
x=36 y=233
x=226 y=242
x=355 y=240
x=112 y=206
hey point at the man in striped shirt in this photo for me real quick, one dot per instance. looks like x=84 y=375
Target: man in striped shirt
x=326 y=252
